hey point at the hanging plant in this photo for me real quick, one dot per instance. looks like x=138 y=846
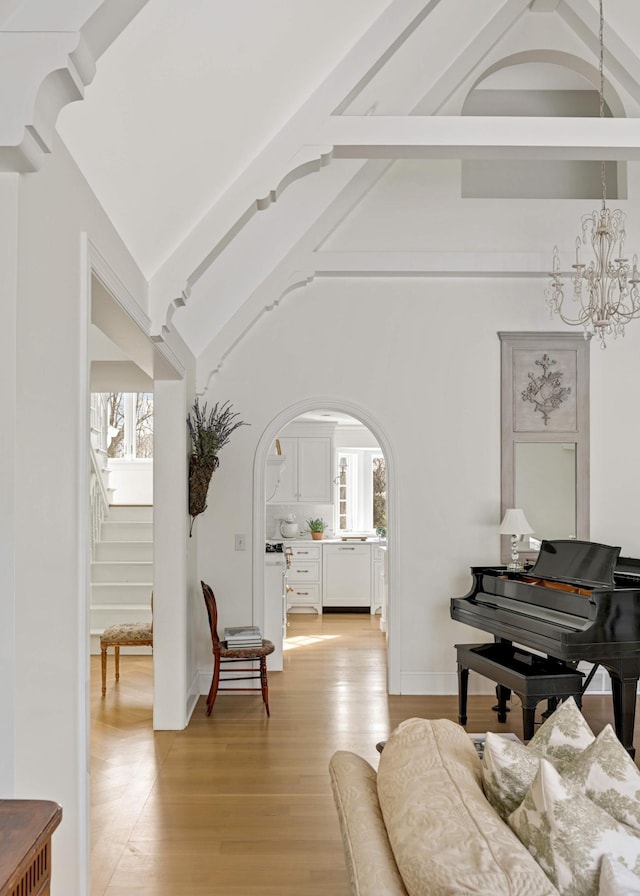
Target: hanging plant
x=209 y=434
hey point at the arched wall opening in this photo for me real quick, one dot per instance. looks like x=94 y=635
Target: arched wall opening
x=286 y=416
x=549 y=84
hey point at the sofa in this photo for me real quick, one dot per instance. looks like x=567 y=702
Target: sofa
x=437 y=820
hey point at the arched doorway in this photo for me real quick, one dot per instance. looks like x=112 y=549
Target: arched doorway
x=286 y=416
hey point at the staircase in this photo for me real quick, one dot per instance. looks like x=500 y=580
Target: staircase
x=122 y=571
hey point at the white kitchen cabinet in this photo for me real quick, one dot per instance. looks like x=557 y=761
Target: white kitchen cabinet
x=377 y=583
x=346 y=575
x=307 y=473
x=304 y=582
x=275 y=617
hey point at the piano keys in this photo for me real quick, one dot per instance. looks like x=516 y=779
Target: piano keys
x=580 y=601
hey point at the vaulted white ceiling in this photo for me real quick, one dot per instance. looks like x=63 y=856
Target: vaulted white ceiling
x=227 y=141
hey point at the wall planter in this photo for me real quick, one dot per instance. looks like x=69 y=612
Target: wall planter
x=209 y=434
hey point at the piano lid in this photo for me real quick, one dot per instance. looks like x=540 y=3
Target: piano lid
x=577 y=561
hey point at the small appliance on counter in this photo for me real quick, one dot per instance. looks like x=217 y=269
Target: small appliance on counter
x=288 y=526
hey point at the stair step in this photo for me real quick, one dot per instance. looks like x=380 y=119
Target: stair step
x=124 y=551
x=120 y=594
x=114 y=614
x=126 y=531
x=131 y=512
x=121 y=571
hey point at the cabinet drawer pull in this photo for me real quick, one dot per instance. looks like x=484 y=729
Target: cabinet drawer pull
x=302 y=552
x=302 y=570
x=303 y=593
x=346 y=549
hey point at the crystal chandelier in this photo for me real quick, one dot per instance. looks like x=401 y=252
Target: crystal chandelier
x=605 y=290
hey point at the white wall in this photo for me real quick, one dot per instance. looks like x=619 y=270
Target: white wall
x=354 y=437
x=422 y=356
x=170 y=630
x=615 y=435
x=433 y=383
x=437 y=394
x=9 y=186
x=131 y=480
x=50 y=514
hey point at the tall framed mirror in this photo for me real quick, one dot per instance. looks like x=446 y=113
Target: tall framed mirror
x=545 y=435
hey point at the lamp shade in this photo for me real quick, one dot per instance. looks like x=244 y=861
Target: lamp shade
x=515 y=523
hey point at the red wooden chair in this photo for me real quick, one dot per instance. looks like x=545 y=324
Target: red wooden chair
x=222 y=654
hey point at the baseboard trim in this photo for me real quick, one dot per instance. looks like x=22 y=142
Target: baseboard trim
x=446 y=683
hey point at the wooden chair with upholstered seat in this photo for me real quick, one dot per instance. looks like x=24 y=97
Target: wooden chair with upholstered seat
x=126 y=634
x=222 y=654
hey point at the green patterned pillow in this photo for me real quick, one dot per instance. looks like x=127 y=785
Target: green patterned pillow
x=567 y=834
x=509 y=767
x=616 y=880
x=563 y=736
x=606 y=774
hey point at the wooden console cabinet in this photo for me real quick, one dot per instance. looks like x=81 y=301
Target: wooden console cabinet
x=26 y=827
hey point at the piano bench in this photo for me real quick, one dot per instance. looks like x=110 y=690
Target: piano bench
x=533 y=678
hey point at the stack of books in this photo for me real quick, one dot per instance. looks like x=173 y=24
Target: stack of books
x=243 y=636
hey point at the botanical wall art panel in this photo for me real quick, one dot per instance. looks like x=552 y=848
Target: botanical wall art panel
x=544 y=391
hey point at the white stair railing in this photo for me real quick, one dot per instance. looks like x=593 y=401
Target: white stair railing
x=99 y=496
x=99 y=501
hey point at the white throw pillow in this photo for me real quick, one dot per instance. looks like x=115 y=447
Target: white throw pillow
x=616 y=880
x=563 y=736
x=568 y=834
x=606 y=774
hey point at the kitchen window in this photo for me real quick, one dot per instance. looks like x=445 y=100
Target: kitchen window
x=361 y=493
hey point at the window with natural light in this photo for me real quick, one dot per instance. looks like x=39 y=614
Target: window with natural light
x=361 y=490
x=129 y=424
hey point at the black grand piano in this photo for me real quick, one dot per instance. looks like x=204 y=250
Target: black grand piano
x=579 y=601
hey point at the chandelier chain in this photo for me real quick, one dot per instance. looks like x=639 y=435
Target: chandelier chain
x=603 y=164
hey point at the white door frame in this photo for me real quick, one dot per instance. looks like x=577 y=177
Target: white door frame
x=259 y=533
x=128 y=326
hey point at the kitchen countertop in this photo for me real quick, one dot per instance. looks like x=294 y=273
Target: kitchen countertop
x=320 y=541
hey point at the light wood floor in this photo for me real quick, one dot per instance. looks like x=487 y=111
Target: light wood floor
x=238 y=804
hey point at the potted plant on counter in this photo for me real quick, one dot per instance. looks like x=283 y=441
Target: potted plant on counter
x=317 y=527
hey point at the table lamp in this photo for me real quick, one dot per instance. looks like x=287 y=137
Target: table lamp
x=515 y=524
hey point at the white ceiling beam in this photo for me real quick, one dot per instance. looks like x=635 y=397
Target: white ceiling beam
x=46 y=61
x=544 y=5
x=619 y=61
x=108 y=22
x=449 y=137
x=430 y=264
x=383 y=58
x=285 y=282
x=469 y=57
x=274 y=163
